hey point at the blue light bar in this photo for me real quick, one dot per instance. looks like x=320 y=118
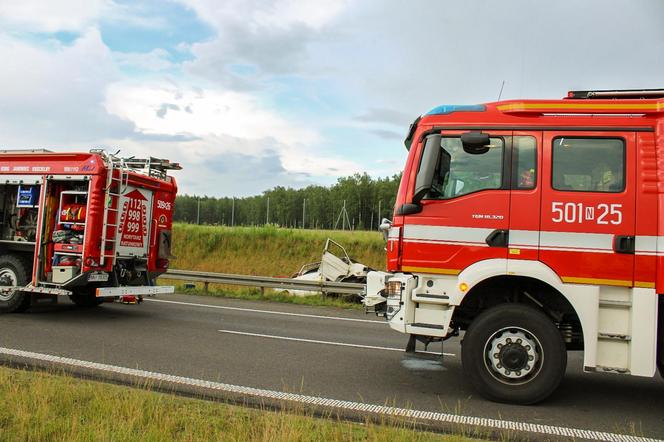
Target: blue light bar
x=449 y=108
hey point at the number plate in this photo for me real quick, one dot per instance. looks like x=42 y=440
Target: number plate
x=98 y=277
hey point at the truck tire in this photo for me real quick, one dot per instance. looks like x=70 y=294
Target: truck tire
x=85 y=297
x=15 y=273
x=514 y=353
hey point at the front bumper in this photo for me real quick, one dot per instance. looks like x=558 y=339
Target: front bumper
x=396 y=307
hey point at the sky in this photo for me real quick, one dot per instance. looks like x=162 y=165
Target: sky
x=252 y=94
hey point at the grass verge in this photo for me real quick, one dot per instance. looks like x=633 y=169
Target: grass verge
x=38 y=406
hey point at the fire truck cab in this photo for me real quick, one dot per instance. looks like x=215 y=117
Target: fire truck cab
x=532 y=227
x=92 y=226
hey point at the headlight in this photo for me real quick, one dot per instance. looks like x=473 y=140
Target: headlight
x=393 y=294
x=393 y=289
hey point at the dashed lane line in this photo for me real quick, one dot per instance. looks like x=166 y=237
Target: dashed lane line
x=380 y=410
x=315 y=341
x=270 y=312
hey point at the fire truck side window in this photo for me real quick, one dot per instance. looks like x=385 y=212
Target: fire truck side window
x=524 y=165
x=460 y=173
x=589 y=164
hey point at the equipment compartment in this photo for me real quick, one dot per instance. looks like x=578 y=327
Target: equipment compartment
x=66 y=230
x=18 y=211
x=62 y=274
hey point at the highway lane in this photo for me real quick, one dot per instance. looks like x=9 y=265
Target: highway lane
x=183 y=337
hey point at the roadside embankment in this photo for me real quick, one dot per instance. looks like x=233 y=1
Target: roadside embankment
x=266 y=251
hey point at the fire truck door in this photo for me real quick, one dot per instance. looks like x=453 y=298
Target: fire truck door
x=526 y=194
x=588 y=207
x=465 y=216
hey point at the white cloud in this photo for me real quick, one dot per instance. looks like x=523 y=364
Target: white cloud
x=270 y=36
x=222 y=165
x=222 y=123
x=167 y=109
x=257 y=14
x=156 y=60
x=52 y=95
x=53 y=16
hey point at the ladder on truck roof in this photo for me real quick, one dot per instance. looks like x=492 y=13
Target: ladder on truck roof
x=154 y=167
x=613 y=94
x=114 y=188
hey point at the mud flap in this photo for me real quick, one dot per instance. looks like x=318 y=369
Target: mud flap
x=37 y=299
x=411 y=347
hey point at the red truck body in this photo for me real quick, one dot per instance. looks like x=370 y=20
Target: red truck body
x=538 y=215
x=88 y=225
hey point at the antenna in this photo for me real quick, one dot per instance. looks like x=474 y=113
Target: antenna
x=500 y=94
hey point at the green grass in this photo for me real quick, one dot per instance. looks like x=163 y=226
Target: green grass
x=266 y=251
x=37 y=406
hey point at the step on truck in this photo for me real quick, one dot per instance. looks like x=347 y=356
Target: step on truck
x=91 y=226
x=532 y=228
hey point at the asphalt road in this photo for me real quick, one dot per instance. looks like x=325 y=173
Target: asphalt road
x=187 y=336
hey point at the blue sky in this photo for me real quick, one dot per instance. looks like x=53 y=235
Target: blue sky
x=258 y=93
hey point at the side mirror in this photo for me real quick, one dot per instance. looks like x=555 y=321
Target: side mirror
x=475 y=143
x=427 y=169
x=384 y=227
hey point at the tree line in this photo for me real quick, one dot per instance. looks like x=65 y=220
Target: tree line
x=354 y=202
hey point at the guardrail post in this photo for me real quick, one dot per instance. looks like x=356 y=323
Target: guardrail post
x=262 y=291
x=206 y=286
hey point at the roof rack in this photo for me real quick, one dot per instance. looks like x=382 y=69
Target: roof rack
x=154 y=167
x=616 y=93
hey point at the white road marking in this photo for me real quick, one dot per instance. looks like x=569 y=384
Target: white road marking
x=381 y=410
x=240 y=309
x=315 y=341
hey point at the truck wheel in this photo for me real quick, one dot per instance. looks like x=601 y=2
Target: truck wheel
x=13 y=273
x=85 y=297
x=514 y=353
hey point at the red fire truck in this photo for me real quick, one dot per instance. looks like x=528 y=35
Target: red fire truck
x=92 y=226
x=532 y=227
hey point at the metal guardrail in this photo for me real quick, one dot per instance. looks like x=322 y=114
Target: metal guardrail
x=325 y=287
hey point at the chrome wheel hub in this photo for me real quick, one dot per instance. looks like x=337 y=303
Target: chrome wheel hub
x=7 y=279
x=513 y=355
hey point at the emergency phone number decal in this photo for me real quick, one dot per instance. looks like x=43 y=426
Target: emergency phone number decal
x=578 y=213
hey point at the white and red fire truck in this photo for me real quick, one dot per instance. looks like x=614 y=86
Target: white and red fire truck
x=92 y=226
x=532 y=227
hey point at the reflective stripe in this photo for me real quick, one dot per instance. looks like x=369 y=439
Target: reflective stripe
x=470 y=235
x=524 y=239
x=647 y=245
x=577 y=242
x=435 y=270
x=530 y=239
x=447 y=242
